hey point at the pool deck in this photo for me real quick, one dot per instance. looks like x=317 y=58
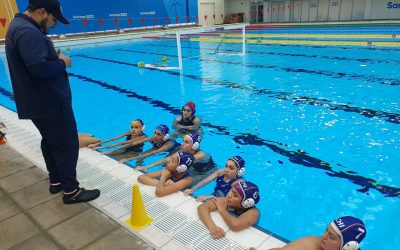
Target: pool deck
x=29 y=215
x=32 y=218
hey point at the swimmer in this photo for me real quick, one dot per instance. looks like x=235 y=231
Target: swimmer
x=230 y=175
x=160 y=142
x=237 y=209
x=133 y=144
x=173 y=178
x=344 y=233
x=203 y=163
x=188 y=122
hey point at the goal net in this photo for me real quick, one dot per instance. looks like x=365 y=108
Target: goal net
x=171 y=49
x=217 y=40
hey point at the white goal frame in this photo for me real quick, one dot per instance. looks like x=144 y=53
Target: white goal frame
x=241 y=26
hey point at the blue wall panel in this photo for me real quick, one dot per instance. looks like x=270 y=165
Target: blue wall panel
x=97 y=15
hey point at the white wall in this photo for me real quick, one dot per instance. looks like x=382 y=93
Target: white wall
x=323 y=8
x=210 y=8
x=380 y=10
x=238 y=6
x=305 y=11
x=346 y=9
x=334 y=10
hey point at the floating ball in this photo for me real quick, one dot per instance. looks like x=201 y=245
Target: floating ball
x=164 y=59
x=141 y=64
x=68 y=49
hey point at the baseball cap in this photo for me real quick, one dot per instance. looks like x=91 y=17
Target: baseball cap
x=51 y=6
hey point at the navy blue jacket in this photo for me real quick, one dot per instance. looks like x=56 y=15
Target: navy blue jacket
x=39 y=79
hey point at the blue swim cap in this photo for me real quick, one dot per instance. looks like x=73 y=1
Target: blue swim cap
x=240 y=162
x=351 y=230
x=163 y=129
x=185 y=161
x=195 y=138
x=249 y=192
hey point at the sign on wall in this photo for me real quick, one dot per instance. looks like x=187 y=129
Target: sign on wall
x=97 y=15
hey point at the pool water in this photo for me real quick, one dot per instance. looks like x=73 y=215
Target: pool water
x=318 y=126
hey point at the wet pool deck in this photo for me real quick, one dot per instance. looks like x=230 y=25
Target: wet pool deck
x=32 y=218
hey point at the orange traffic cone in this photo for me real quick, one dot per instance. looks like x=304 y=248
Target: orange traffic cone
x=139 y=218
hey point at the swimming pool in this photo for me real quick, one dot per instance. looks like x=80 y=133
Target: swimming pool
x=318 y=126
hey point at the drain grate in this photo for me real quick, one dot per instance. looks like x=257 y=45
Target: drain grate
x=157 y=209
x=208 y=243
x=169 y=222
x=190 y=232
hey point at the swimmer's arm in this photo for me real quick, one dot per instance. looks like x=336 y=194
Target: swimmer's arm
x=310 y=242
x=141 y=156
x=175 y=124
x=208 y=179
x=198 y=155
x=153 y=151
x=156 y=163
x=245 y=220
x=125 y=145
x=162 y=189
x=204 y=211
x=196 y=124
x=108 y=140
x=138 y=140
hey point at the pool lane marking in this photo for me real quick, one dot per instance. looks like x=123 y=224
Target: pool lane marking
x=299 y=157
x=369 y=113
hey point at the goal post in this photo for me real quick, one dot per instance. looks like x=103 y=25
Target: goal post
x=220 y=36
x=210 y=41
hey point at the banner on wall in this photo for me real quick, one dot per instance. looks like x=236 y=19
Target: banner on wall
x=98 y=15
x=7 y=11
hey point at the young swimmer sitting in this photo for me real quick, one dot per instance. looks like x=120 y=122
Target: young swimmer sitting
x=188 y=122
x=173 y=178
x=160 y=142
x=237 y=209
x=191 y=144
x=231 y=174
x=344 y=233
x=133 y=144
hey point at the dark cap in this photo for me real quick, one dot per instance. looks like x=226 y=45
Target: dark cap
x=51 y=6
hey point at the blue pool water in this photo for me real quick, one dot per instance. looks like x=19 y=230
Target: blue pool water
x=318 y=126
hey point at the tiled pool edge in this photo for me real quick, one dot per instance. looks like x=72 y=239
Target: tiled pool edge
x=176 y=224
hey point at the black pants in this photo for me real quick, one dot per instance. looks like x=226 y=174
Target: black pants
x=60 y=146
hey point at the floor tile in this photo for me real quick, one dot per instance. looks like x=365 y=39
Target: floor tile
x=8 y=154
x=82 y=229
x=119 y=239
x=38 y=242
x=155 y=235
x=3 y=146
x=8 y=208
x=33 y=195
x=14 y=166
x=55 y=211
x=22 y=179
x=15 y=230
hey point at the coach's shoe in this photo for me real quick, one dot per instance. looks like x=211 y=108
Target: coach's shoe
x=81 y=195
x=55 y=188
